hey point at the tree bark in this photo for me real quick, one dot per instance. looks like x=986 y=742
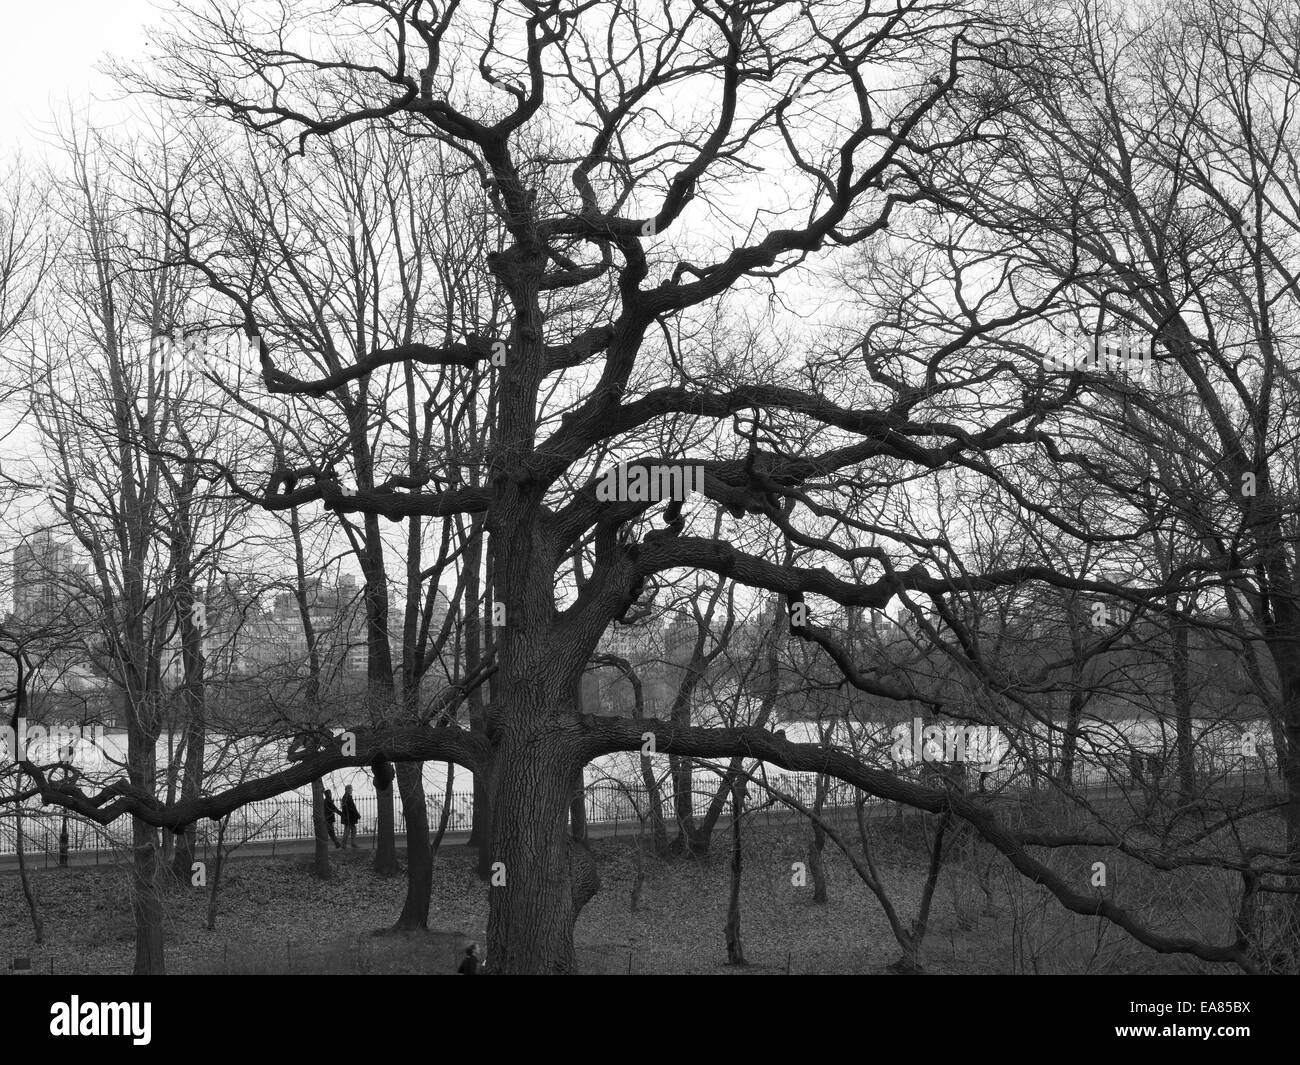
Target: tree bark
x=1070 y=741
x=191 y=787
x=419 y=856
x=194 y=697
x=216 y=873
x=913 y=961
x=321 y=864
x=142 y=757
x=735 y=948
x=531 y=905
x=445 y=815
x=687 y=842
x=146 y=902
x=654 y=800
x=385 y=826
x=1182 y=689
x=320 y=827
x=480 y=833
x=816 y=862
x=33 y=907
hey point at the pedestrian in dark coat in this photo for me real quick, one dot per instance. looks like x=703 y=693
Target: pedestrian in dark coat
x=351 y=815
x=469 y=964
x=331 y=812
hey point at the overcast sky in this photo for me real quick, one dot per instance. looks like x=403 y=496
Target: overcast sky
x=48 y=54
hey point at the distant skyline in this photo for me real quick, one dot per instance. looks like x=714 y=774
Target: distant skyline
x=48 y=548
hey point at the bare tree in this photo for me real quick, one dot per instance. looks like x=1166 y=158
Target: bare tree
x=1144 y=171
x=114 y=403
x=788 y=445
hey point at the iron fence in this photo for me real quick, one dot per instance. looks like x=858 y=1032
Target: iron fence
x=289 y=819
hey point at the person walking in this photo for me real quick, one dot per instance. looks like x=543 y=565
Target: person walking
x=470 y=963
x=331 y=812
x=351 y=815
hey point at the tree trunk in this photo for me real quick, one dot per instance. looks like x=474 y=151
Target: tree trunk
x=816 y=863
x=146 y=902
x=1182 y=690
x=688 y=842
x=191 y=787
x=680 y=770
x=445 y=815
x=913 y=961
x=419 y=857
x=33 y=907
x=1070 y=742
x=321 y=865
x=216 y=873
x=194 y=697
x=531 y=910
x=654 y=800
x=480 y=833
x=770 y=698
x=168 y=850
x=385 y=827
x=584 y=877
x=142 y=765
x=1289 y=764
x=1278 y=615
x=735 y=948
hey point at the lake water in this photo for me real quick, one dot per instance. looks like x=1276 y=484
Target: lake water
x=1104 y=754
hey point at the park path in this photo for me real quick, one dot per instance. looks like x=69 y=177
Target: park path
x=48 y=859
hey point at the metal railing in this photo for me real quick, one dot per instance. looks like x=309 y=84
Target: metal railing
x=608 y=802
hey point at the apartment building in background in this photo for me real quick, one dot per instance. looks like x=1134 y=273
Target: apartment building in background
x=46 y=578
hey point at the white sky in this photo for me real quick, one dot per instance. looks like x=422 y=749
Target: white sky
x=48 y=54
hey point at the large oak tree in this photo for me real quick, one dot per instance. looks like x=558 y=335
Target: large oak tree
x=661 y=175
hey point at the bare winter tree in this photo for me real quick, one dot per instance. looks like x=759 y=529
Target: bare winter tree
x=1144 y=171
x=391 y=267
x=114 y=401
x=623 y=237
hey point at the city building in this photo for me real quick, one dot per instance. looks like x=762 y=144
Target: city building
x=45 y=578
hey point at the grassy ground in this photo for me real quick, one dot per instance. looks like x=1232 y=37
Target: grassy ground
x=276 y=918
